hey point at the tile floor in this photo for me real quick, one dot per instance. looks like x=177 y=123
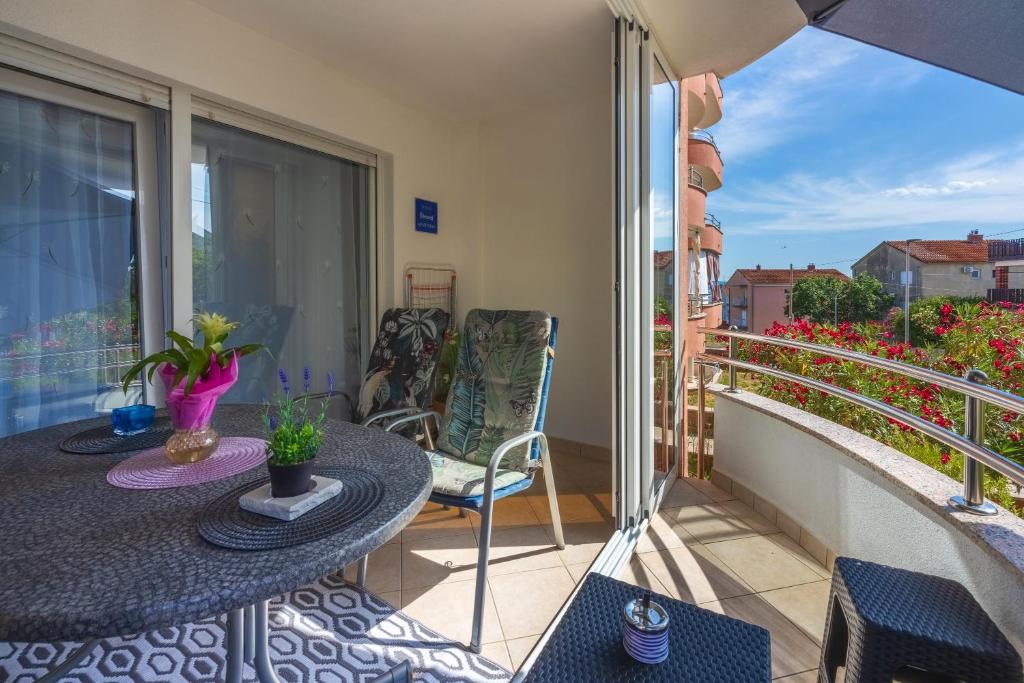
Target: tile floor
x=704 y=547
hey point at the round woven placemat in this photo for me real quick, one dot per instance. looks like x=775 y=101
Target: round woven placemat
x=151 y=469
x=101 y=440
x=223 y=522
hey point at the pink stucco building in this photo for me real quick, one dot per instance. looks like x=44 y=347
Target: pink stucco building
x=758 y=296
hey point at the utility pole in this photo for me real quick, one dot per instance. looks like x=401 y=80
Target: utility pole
x=835 y=308
x=792 y=282
x=906 y=290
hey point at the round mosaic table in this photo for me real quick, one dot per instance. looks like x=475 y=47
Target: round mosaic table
x=83 y=559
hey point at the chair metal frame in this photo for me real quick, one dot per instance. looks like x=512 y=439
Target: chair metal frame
x=540 y=452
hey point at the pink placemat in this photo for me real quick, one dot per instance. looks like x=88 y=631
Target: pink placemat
x=151 y=469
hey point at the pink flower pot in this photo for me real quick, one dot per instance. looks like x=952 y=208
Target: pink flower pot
x=193 y=439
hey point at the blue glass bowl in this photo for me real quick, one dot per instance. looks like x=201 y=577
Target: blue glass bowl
x=131 y=420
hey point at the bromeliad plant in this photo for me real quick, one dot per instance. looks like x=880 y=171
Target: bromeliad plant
x=293 y=436
x=190 y=361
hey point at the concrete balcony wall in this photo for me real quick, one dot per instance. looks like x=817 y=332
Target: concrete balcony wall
x=695 y=92
x=712 y=314
x=696 y=203
x=711 y=239
x=865 y=500
x=704 y=156
x=712 y=110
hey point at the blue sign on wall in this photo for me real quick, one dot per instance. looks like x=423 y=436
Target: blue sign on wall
x=426 y=216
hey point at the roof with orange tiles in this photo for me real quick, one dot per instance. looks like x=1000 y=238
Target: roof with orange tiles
x=662 y=259
x=783 y=276
x=945 y=251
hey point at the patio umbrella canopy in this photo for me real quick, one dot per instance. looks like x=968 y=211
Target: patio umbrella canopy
x=983 y=39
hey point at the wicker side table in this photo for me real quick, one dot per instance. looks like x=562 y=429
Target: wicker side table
x=704 y=646
x=881 y=619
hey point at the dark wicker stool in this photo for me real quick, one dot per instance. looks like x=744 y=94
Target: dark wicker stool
x=881 y=619
x=704 y=647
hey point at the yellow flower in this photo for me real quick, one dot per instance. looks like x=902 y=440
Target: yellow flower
x=213 y=325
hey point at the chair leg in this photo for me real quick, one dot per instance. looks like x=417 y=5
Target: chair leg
x=549 y=484
x=481 y=573
x=462 y=512
x=364 y=562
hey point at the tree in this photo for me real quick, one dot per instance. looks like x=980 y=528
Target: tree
x=822 y=299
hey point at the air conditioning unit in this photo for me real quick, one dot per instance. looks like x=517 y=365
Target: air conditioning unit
x=967 y=270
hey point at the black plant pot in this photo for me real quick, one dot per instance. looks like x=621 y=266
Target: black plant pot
x=290 y=480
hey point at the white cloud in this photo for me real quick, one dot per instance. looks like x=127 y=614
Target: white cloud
x=983 y=188
x=783 y=95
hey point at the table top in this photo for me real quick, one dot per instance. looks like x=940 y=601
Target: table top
x=83 y=559
x=704 y=646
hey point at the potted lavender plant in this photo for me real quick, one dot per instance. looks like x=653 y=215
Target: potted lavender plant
x=294 y=438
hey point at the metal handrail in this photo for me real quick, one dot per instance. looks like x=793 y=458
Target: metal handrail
x=976 y=455
x=1000 y=398
x=703 y=136
x=710 y=219
x=695 y=178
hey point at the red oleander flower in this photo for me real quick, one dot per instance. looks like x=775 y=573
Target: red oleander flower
x=945 y=458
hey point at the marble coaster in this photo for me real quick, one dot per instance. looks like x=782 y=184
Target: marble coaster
x=262 y=503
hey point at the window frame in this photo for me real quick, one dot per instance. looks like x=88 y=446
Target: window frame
x=148 y=228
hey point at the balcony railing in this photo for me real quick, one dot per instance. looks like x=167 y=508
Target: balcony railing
x=1001 y=250
x=710 y=219
x=694 y=306
x=977 y=395
x=696 y=179
x=705 y=136
x=1015 y=296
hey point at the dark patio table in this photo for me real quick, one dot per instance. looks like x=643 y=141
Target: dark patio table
x=82 y=559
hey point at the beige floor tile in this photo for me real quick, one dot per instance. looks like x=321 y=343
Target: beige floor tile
x=805 y=605
x=711 y=523
x=384 y=570
x=497 y=653
x=581 y=506
x=578 y=571
x=434 y=522
x=583 y=540
x=519 y=648
x=682 y=494
x=521 y=549
x=708 y=489
x=764 y=565
x=430 y=561
x=662 y=534
x=393 y=598
x=792 y=651
x=448 y=609
x=748 y=515
x=509 y=512
x=638 y=574
x=799 y=553
x=805 y=677
x=528 y=601
x=693 y=574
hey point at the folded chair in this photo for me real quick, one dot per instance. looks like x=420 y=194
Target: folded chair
x=490 y=440
x=399 y=378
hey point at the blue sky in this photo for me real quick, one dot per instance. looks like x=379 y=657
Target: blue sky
x=831 y=146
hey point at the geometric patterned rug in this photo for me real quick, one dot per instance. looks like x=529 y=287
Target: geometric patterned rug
x=326 y=632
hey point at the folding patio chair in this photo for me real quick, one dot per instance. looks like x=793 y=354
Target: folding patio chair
x=491 y=442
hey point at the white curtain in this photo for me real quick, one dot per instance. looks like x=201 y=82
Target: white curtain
x=282 y=248
x=67 y=248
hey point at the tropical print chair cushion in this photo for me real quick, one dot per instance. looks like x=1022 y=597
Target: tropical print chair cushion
x=400 y=373
x=456 y=477
x=495 y=394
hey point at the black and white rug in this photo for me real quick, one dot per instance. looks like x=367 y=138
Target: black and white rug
x=325 y=632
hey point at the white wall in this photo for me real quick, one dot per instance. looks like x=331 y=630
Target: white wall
x=865 y=500
x=525 y=200
x=549 y=245
x=176 y=41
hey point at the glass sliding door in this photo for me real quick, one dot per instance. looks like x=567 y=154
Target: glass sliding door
x=281 y=241
x=647 y=267
x=663 y=98
x=75 y=239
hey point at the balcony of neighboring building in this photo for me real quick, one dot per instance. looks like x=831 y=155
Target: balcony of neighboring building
x=711 y=234
x=696 y=200
x=703 y=155
x=704 y=101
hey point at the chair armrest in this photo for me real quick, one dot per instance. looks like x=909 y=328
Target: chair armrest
x=420 y=417
x=384 y=414
x=507 y=445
